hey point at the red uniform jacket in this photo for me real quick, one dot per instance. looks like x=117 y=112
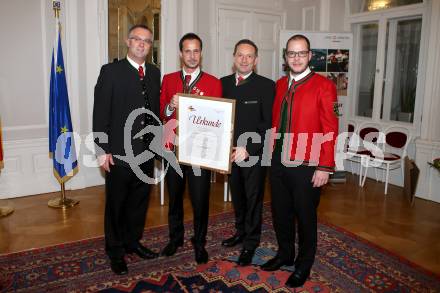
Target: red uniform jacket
x=311 y=120
x=172 y=83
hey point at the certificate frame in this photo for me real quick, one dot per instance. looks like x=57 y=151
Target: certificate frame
x=205 y=132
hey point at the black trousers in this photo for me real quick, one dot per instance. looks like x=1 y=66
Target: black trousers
x=125 y=209
x=294 y=198
x=199 y=195
x=247 y=190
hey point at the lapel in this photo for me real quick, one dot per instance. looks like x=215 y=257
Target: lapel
x=130 y=67
x=147 y=80
x=245 y=81
x=132 y=78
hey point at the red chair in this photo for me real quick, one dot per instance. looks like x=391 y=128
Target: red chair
x=394 y=151
x=367 y=133
x=351 y=130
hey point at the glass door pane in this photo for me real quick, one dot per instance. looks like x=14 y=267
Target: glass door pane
x=357 y=6
x=403 y=40
x=123 y=14
x=367 y=68
x=405 y=74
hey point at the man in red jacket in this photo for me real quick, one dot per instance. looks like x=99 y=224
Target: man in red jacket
x=302 y=159
x=190 y=80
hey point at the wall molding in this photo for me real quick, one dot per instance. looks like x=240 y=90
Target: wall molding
x=429 y=179
x=430 y=131
x=305 y=12
x=28 y=169
x=259 y=8
x=324 y=21
x=275 y=5
x=170 y=36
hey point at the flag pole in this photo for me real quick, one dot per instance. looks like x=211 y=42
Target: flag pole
x=56 y=6
x=4 y=210
x=63 y=202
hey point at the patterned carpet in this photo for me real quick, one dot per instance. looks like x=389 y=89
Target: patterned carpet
x=344 y=263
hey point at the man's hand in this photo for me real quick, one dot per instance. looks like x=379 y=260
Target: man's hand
x=105 y=161
x=320 y=178
x=239 y=154
x=174 y=103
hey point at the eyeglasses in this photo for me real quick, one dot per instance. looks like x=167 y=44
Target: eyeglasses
x=293 y=54
x=146 y=41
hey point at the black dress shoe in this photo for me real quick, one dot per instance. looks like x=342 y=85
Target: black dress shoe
x=143 y=252
x=119 y=266
x=201 y=254
x=232 y=241
x=297 y=278
x=170 y=249
x=245 y=257
x=275 y=264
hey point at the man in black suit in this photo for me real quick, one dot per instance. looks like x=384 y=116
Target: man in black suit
x=254 y=96
x=122 y=87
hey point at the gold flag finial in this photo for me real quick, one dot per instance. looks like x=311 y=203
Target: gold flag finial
x=56 y=5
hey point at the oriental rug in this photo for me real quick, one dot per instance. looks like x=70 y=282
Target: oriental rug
x=344 y=263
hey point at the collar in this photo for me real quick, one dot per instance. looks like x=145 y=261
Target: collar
x=298 y=77
x=193 y=75
x=134 y=63
x=243 y=76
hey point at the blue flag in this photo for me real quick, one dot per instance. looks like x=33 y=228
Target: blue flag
x=61 y=142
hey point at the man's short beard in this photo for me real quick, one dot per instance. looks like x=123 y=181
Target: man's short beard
x=297 y=73
x=189 y=65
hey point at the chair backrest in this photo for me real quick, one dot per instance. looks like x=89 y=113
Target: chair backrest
x=351 y=126
x=367 y=131
x=370 y=131
x=397 y=139
x=351 y=129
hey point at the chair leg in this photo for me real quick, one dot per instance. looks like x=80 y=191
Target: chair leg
x=366 y=171
x=162 y=185
x=360 y=172
x=386 y=178
x=402 y=164
x=225 y=189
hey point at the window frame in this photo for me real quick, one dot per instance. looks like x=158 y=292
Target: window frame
x=382 y=17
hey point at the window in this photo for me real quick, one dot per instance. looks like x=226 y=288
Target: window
x=368 y=53
x=358 y=6
x=388 y=48
x=123 y=14
x=400 y=83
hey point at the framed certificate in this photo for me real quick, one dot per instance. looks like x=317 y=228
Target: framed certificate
x=205 y=132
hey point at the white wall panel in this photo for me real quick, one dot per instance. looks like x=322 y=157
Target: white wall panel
x=300 y=15
x=24 y=88
x=23 y=70
x=429 y=179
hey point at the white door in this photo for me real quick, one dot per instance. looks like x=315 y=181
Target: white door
x=266 y=34
x=233 y=26
x=261 y=28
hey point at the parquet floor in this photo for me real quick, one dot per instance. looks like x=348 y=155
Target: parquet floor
x=388 y=221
